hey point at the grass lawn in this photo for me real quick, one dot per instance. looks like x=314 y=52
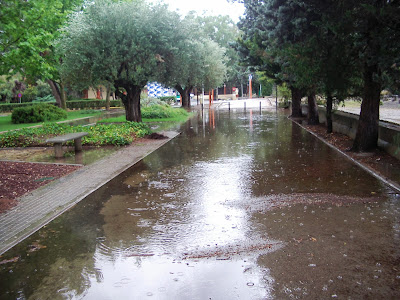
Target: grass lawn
x=5 y=121
x=351 y=103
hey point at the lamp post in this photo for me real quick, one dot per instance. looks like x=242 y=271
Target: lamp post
x=250 y=91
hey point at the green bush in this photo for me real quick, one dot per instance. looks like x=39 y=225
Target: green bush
x=151 y=101
x=37 y=113
x=162 y=112
x=91 y=104
x=168 y=99
x=6 y=91
x=74 y=104
x=43 y=89
x=7 y=107
x=48 y=98
x=29 y=94
x=100 y=134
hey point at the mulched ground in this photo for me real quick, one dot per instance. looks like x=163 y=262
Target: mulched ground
x=19 y=178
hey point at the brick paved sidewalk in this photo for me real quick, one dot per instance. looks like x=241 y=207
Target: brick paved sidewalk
x=44 y=204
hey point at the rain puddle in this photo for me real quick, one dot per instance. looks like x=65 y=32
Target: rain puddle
x=240 y=206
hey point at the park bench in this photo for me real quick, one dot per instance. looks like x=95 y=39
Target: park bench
x=59 y=140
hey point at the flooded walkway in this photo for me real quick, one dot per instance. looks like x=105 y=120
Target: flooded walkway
x=242 y=205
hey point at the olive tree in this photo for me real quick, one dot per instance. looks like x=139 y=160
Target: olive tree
x=195 y=64
x=123 y=44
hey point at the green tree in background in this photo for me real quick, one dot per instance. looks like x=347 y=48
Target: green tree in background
x=327 y=47
x=125 y=44
x=28 y=31
x=194 y=61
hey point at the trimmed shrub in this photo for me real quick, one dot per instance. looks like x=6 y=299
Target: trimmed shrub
x=162 y=112
x=92 y=104
x=7 y=107
x=29 y=94
x=100 y=134
x=168 y=99
x=37 y=113
x=48 y=98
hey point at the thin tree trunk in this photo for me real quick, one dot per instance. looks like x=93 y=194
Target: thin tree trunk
x=63 y=97
x=56 y=91
x=296 y=103
x=108 y=91
x=368 y=124
x=329 y=104
x=313 y=118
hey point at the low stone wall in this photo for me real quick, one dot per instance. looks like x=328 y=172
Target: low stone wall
x=346 y=123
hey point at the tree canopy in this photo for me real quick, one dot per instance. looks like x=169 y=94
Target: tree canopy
x=196 y=61
x=28 y=30
x=122 y=43
x=334 y=48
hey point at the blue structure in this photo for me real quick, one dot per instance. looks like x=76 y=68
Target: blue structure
x=157 y=90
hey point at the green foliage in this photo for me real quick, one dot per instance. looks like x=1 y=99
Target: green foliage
x=100 y=134
x=28 y=32
x=8 y=107
x=37 y=113
x=223 y=31
x=123 y=43
x=162 y=112
x=48 y=98
x=73 y=104
x=168 y=99
x=284 y=92
x=91 y=104
x=6 y=124
x=43 y=89
x=6 y=91
x=29 y=94
x=151 y=101
x=155 y=113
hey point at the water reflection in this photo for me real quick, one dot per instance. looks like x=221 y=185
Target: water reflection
x=240 y=206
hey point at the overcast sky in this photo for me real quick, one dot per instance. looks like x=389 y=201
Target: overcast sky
x=213 y=7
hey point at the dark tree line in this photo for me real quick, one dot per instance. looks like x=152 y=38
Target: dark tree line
x=333 y=48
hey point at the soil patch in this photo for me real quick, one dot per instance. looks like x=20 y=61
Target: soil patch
x=19 y=178
x=156 y=136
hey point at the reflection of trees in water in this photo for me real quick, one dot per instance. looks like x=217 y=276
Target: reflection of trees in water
x=66 y=262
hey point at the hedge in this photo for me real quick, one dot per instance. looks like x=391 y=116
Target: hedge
x=73 y=104
x=92 y=104
x=37 y=113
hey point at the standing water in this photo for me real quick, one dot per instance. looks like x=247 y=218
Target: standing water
x=242 y=205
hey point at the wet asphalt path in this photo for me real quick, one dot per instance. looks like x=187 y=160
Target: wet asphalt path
x=240 y=206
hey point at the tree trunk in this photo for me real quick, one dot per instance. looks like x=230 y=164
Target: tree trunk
x=108 y=91
x=56 y=91
x=313 y=118
x=368 y=124
x=329 y=103
x=185 y=95
x=132 y=105
x=63 y=97
x=131 y=101
x=296 y=102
